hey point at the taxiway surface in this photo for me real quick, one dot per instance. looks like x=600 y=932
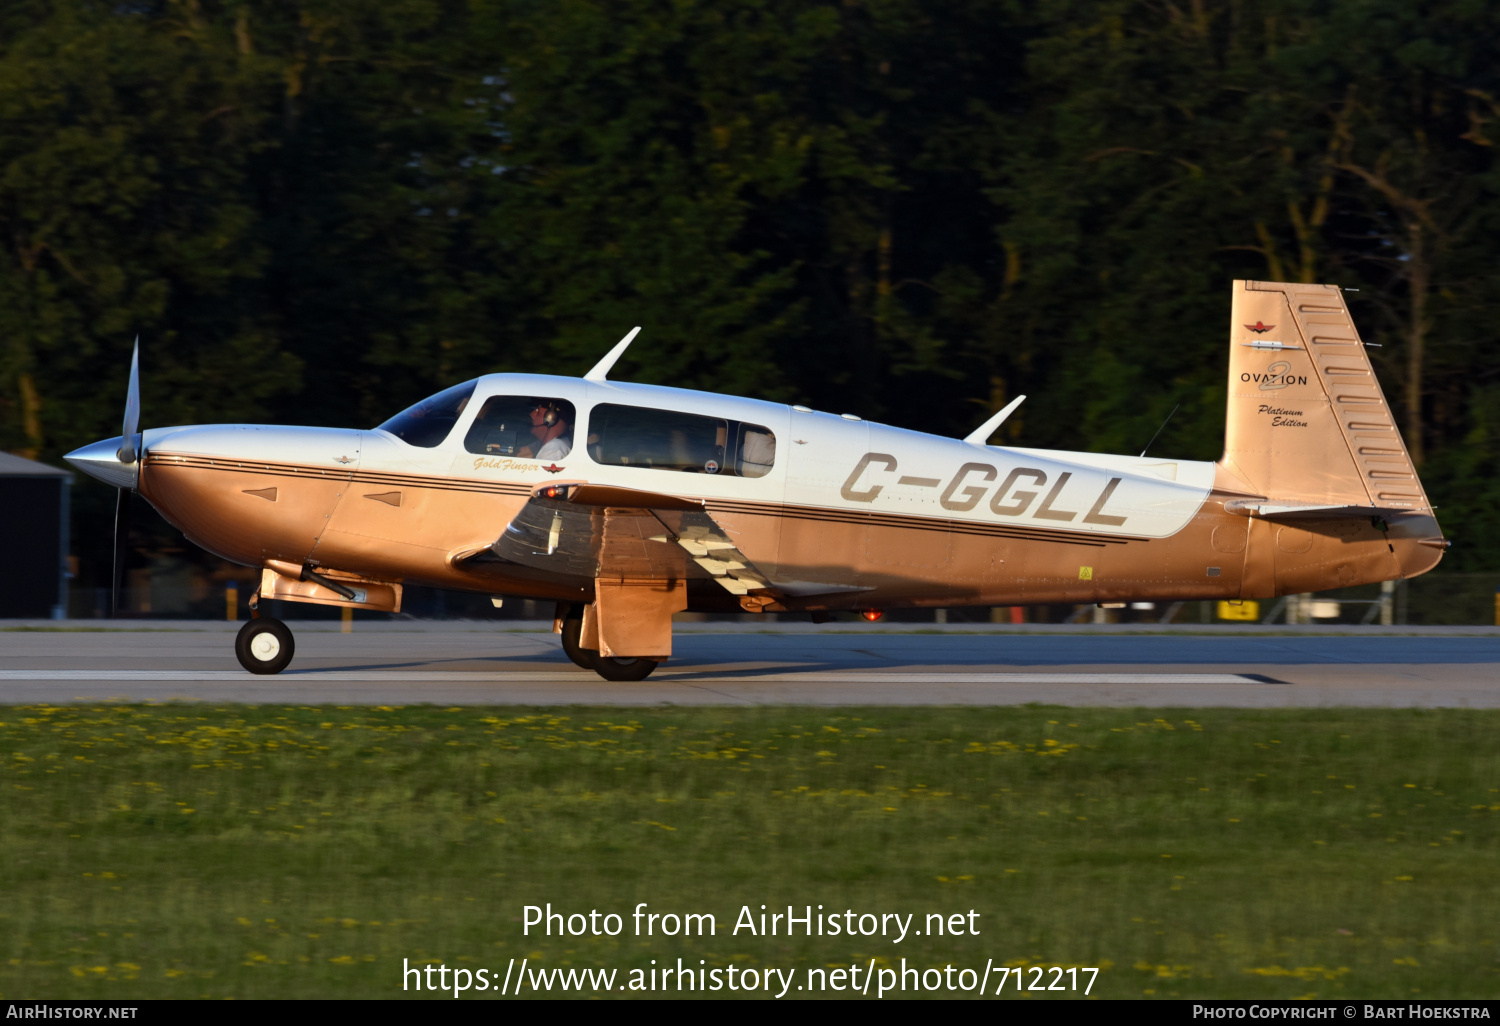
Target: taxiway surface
x=455 y=663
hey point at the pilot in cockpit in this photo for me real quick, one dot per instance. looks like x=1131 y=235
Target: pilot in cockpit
x=553 y=434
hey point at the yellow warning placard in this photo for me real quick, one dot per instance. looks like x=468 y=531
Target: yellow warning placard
x=1246 y=610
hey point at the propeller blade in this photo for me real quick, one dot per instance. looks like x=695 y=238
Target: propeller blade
x=122 y=544
x=130 y=442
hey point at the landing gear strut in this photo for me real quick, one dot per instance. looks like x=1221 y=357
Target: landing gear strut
x=264 y=645
x=608 y=667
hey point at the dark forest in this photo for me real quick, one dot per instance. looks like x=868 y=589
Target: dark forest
x=912 y=210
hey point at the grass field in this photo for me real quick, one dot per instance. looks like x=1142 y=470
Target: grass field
x=180 y=850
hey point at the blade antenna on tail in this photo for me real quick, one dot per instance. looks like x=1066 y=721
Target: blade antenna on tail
x=602 y=367
x=1159 y=430
x=130 y=444
x=982 y=433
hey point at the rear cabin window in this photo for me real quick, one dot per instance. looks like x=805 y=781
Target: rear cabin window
x=636 y=436
x=524 y=427
x=426 y=424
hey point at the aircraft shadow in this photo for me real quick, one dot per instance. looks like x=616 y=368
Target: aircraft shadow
x=700 y=658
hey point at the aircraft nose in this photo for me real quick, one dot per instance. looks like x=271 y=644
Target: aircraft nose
x=102 y=460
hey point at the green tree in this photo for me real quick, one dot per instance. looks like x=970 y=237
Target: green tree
x=121 y=166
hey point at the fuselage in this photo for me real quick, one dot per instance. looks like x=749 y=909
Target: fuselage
x=842 y=513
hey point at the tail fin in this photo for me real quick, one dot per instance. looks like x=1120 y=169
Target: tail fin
x=1308 y=427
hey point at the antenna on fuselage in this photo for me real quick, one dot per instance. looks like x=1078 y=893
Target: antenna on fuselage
x=982 y=433
x=602 y=367
x=1158 y=431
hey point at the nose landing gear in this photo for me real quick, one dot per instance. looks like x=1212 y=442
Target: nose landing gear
x=265 y=645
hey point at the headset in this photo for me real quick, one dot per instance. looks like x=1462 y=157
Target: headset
x=550 y=417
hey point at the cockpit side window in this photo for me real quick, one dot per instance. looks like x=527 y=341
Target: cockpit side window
x=428 y=422
x=635 y=436
x=524 y=427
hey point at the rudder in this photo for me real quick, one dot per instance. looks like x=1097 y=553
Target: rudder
x=1307 y=426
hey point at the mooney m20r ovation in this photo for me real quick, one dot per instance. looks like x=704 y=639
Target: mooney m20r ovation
x=626 y=503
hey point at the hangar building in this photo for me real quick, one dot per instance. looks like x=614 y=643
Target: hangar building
x=33 y=539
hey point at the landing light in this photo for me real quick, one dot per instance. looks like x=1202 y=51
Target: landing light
x=872 y=614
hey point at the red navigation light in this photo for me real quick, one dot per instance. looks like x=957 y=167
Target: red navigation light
x=872 y=614
x=551 y=492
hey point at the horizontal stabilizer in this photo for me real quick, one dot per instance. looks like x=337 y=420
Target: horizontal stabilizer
x=1268 y=508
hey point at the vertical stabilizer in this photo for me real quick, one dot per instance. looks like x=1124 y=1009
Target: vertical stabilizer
x=1307 y=423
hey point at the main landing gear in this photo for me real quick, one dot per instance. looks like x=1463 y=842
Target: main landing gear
x=608 y=667
x=265 y=645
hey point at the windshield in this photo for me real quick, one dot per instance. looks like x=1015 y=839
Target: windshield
x=428 y=423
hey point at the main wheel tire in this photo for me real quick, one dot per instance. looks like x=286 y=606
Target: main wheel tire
x=571 y=632
x=613 y=668
x=265 y=645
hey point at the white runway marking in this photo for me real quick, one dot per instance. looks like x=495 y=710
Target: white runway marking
x=582 y=677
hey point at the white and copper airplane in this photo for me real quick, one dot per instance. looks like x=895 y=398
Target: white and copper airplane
x=627 y=503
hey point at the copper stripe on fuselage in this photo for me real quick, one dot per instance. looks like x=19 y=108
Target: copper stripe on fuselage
x=368 y=477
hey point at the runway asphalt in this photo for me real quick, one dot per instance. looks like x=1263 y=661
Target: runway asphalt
x=470 y=663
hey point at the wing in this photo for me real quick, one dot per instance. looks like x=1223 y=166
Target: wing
x=584 y=530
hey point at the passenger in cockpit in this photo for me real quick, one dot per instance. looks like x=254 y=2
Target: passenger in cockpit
x=553 y=434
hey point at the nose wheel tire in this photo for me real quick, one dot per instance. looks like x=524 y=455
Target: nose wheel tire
x=264 y=646
x=612 y=668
